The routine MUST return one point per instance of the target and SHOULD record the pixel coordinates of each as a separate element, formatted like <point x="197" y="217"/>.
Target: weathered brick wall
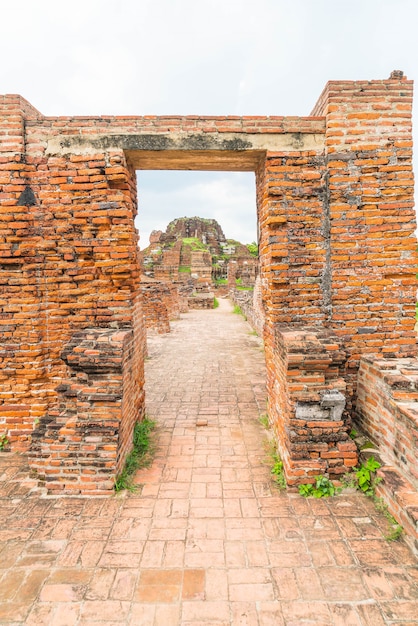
<point x="387" y="411"/>
<point x="201" y="301"/>
<point x="22" y="351"/>
<point x="353" y="268"/>
<point x="336" y="221"/>
<point x="307" y="403"/>
<point x="371" y="258"/>
<point x="161" y="303"/>
<point x="201" y="266"/>
<point x="251" y="304"/>
<point x="82" y="443"/>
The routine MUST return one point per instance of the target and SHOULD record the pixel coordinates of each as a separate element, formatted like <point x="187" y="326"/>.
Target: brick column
<point x="22" y="354"/>
<point x="372" y="245"/>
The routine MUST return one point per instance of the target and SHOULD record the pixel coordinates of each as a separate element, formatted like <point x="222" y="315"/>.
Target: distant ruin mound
<point x="186" y="235"/>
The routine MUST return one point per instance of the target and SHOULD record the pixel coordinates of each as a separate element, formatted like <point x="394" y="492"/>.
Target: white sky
<point x="205" y="57"/>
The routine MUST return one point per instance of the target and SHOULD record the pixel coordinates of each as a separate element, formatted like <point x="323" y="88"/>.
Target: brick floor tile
<point x="100" y="584"/>
<point x="201" y="559"/>
<point x="70" y="554"/>
<point x="290" y="559"/>
<point x="298" y="612"/>
<point x="33" y="582"/>
<point x="377" y="584"/>
<point x="244" y="613"/>
<point x="41" y="614"/>
<point x="405" y="588"/>
<point x="270" y="614"/>
<point x="372" y="552"/>
<point x="206" y="528"/>
<point x="320" y="553"/>
<point x="256" y="553"/>
<point x="235" y="555"/>
<point x="62" y="592"/>
<point x="251" y="591"/>
<point x="158" y="586"/>
<point x="286" y="584"/>
<point x="216" y="584"/>
<point x="143" y="614"/>
<point x="173" y="554"/>
<point x="397" y="611"/>
<point x="344" y="615"/>
<point x="67" y="614"/>
<point x="371" y="615"/>
<point x="309" y="584"/>
<point x="193" y="584"/>
<point x="10" y="554"/>
<point x="343" y="583"/>
<point x="10" y="583"/>
<point x="153" y="554"/>
<point x="123" y="584"/>
<point x="341" y="553"/>
<point x="204" y="611"/>
<point x="232" y="507"/>
<point x="90" y="553"/>
<point x="102" y="612"/>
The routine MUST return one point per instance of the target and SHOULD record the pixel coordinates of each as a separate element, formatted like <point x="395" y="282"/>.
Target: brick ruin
<point x="337" y="270"/>
<point x="188" y="258"/>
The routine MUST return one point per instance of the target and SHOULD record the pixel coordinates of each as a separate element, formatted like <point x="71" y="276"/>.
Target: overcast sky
<point x="205" y="57"/>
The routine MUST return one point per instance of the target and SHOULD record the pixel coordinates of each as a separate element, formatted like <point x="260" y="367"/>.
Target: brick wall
<point x="336" y="221"/>
<point x="251" y="304"/>
<point x="307" y="402"/>
<point x="82" y="443"/>
<point x="372" y="256"/>
<point x="161" y="303"/>
<point x="387" y="411"/>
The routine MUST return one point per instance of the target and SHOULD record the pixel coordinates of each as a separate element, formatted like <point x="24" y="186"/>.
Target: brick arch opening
<point x="337" y="265"/>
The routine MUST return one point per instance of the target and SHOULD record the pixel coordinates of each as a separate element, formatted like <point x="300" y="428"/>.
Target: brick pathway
<point x="208" y="539"/>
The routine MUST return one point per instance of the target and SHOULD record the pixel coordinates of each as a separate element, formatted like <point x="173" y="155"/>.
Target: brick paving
<point x="207" y="538"/>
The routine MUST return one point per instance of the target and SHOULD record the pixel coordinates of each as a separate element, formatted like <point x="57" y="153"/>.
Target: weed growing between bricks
<point x="140" y="456"/>
<point x="273" y="457"/>
<point x="364" y="479"/>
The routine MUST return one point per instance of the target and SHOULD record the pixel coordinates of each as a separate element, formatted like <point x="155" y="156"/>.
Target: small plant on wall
<point x="4" y="441"/>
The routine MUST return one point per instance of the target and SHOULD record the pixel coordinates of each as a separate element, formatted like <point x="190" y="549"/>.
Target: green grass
<point x="184" y="269"/>
<point x="264" y="421"/>
<point x="194" y="243"/>
<point x="140" y="456"/>
<point x="215" y="303"/>
<point x="277" y="469"/>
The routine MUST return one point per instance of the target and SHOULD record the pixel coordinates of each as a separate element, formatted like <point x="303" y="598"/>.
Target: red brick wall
<point x="306" y="402"/>
<point x="372" y="246"/>
<point x="82" y="443"/>
<point x="337" y="244"/>
<point x="387" y="411"/>
<point x="161" y="303"/>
